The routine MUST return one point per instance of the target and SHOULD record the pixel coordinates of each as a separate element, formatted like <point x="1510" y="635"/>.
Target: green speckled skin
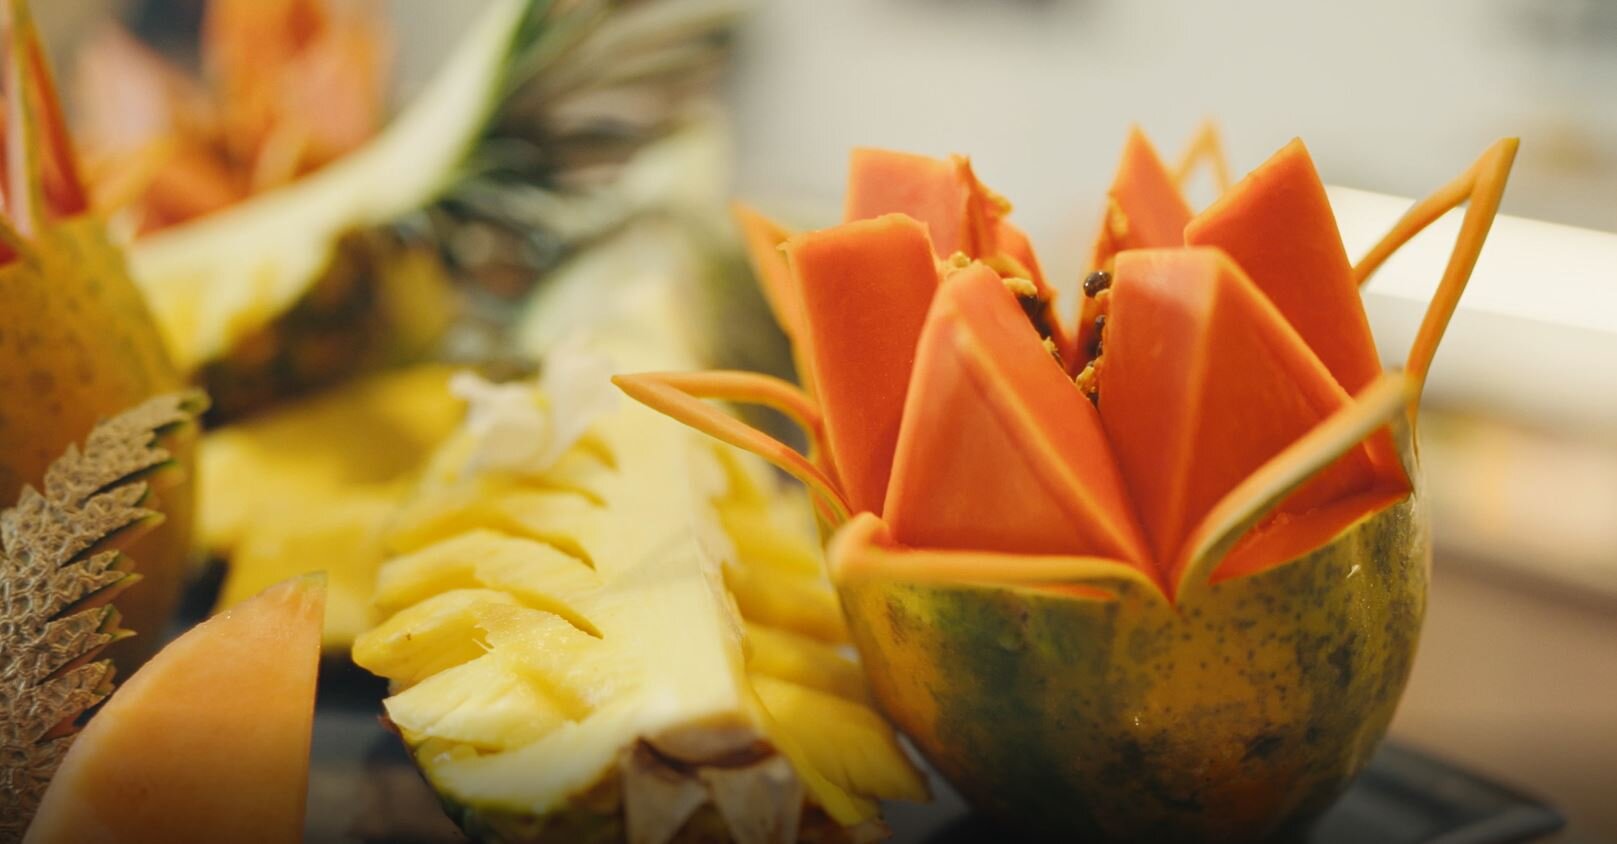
<point x="77" y="345"/>
<point x="1238" y="717"/>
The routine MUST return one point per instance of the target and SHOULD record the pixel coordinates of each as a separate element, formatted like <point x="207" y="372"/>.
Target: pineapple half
<point x="414" y="246"/>
<point x="629" y="638"/>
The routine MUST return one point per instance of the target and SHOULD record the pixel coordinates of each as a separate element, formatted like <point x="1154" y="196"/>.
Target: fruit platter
<point x="484" y="472"/>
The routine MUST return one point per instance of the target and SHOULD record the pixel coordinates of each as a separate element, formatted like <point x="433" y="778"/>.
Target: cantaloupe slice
<point x="999" y="450"/>
<point x="1304" y="270"/>
<point x="208" y="742"/>
<point x="1201" y="381"/>
<point x="865" y="288"/>
<point x="1144" y="207"/>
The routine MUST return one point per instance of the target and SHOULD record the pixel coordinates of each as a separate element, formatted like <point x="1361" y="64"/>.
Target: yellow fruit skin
<point x="77" y="345"/>
<point x="1238" y="716"/>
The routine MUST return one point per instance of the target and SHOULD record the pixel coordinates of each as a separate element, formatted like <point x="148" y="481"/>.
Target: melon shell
<point x="1238" y="715"/>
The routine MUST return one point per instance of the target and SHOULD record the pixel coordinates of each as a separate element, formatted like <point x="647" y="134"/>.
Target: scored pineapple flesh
<point x="650" y="590"/>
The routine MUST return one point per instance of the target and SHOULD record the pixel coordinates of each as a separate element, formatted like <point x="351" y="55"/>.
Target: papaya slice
<point x="1304" y="271"/>
<point x="209" y="741"/>
<point x="865" y="289"/>
<point x="1201" y="382"/>
<point x="1278" y="225"/>
<point x="998" y="449"/>
<point x="938" y="192"/>
<point x="1144" y="207"/>
<point x="763" y="238"/>
<point x="962" y="216"/>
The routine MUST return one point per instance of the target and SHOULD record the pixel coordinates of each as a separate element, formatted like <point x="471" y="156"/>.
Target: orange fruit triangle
<point x="1201" y="381"/>
<point x="865" y="289"/>
<point x="999" y="450"/>
<point x="932" y="190"/>
<point x="763" y="238"/>
<point x="1278" y="225"/>
<point x="1144" y="208"/>
<point x="961" y="214"/>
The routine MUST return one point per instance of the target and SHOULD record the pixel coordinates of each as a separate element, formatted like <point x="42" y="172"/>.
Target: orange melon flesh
<point x="209" y="741"/>
<point x="931" y="190"/>
<point x="1202" y="380"/>
<point x="1304" y="271"/>
<point x="999" y="451"/>
<point x="1278" y="225"/>
<point x="961" y="214"/>
<point x="865" y="289"/>
<point x="1145" y="209"/>
<point x="763" y="238"/>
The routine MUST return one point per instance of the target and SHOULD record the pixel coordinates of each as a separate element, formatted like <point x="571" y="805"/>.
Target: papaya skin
<point x="1237" y="716"/>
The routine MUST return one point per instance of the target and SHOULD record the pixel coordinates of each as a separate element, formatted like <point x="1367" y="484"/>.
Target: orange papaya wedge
<point x="865" y="289"/>
<point x="762" y="238"/>
<point x="934" y="191"/>
<point x="961" y="214"/>
<point x="998" y="450"/>
<point x="1144" y="208"/>
<point x="1201" y="381"/>
<point x="1306" y="272"/>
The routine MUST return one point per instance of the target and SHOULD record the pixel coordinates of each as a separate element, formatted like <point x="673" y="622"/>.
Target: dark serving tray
<point x="363" y="788"/>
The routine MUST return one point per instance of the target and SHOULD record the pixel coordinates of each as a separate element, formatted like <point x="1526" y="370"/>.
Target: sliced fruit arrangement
<point x="77" y="343"/>
<point x="599" y="627"/>
<point x="1163" y="584"/>
<point x="288" y="249"/>
<point x="209" y="741"/>
<point x="62" y="557"/>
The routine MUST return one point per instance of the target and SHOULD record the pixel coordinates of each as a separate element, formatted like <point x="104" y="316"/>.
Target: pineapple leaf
<point x="59" y="567"/>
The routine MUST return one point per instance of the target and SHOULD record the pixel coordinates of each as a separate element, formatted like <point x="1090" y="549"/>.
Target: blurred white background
<point x="1391" y="95"/>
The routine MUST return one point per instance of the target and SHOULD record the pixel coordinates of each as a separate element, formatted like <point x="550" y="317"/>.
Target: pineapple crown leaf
<point x="581" y="77"/>
<point x="59" y="567"/>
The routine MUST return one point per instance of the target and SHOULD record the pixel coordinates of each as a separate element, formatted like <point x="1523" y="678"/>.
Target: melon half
<point x="207" y="742"/>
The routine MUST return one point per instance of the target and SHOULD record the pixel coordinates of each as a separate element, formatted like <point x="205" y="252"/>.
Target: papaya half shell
<point x="1238" y="714"/>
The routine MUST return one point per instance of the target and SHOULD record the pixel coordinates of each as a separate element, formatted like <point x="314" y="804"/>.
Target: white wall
<point x="1391" y="95"/>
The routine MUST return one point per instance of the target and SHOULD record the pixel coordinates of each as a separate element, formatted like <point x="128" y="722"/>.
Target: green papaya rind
<point x="1238" y="715"/>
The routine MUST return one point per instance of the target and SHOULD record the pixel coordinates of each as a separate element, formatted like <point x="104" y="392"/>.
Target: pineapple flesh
<point x="634" y="643"/>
